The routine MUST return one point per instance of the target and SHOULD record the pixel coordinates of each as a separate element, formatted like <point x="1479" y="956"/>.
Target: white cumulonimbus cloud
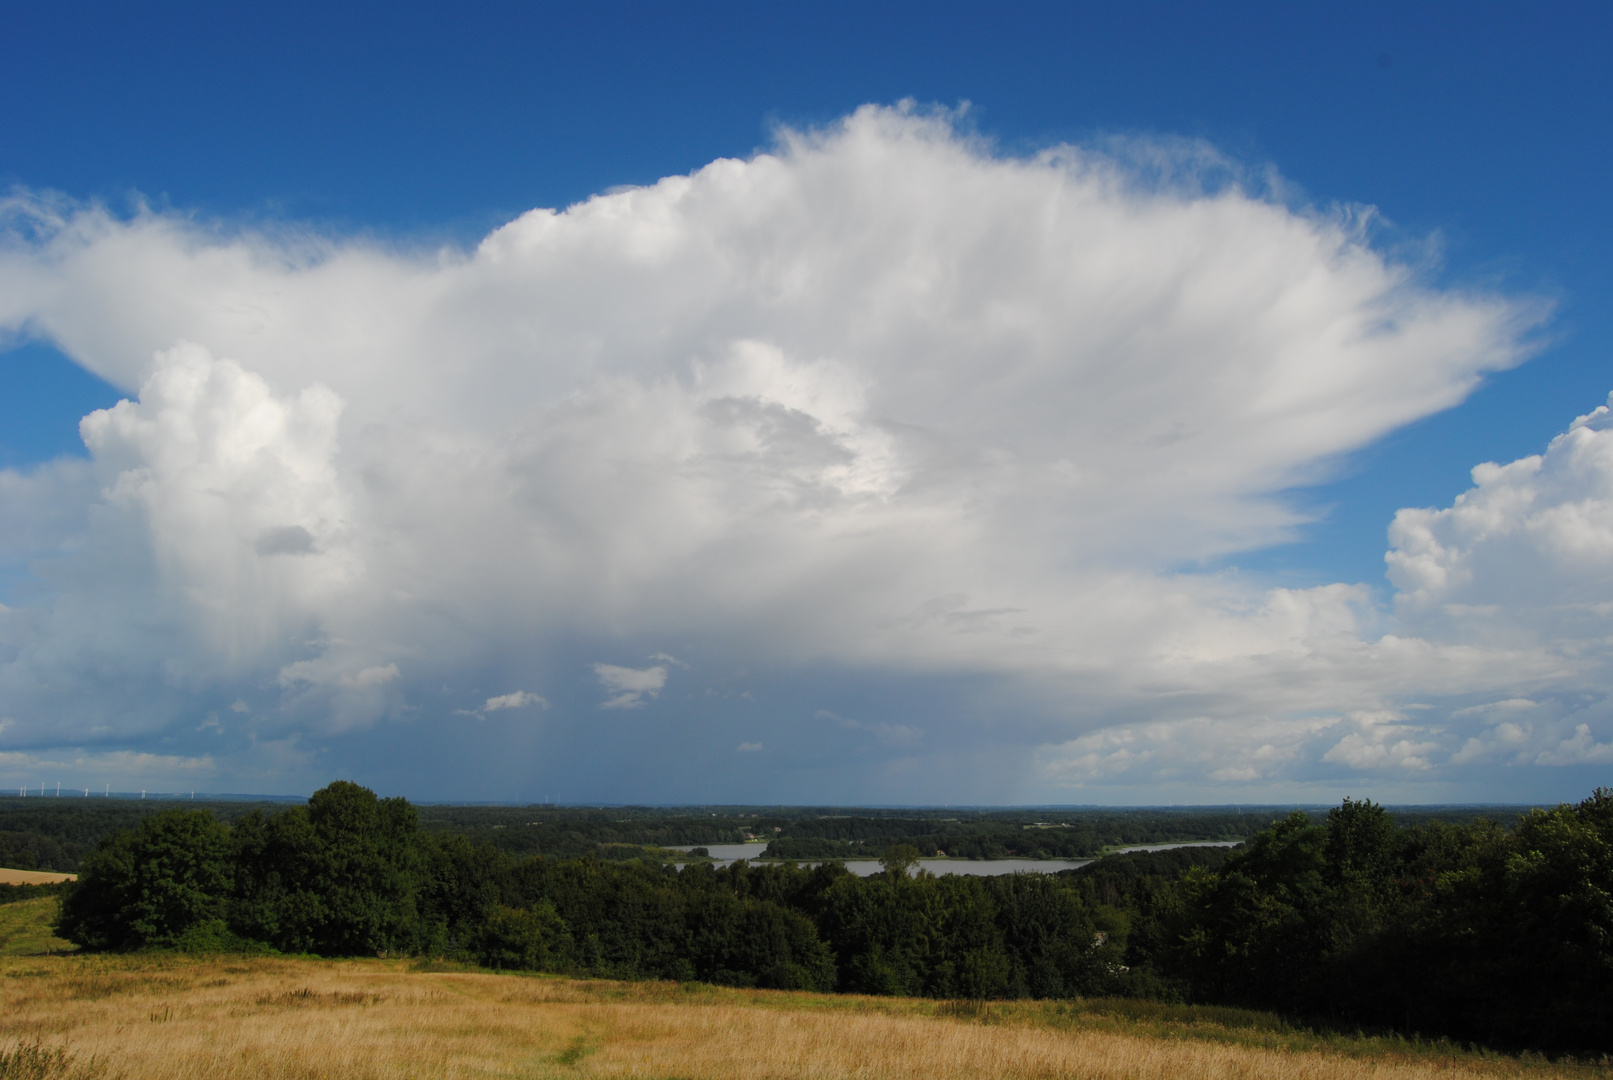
<point x="879" y="402"/>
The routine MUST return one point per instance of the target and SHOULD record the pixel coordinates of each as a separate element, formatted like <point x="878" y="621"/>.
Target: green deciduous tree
<point x="339" y="877"/>
<point x="151" y="885"/>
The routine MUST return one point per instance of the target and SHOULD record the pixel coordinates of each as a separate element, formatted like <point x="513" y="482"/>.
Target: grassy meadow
<point x="178" y="1018"/>
<point x="25" y="928"/>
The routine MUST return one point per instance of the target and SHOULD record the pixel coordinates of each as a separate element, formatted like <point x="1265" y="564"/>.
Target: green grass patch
<point x="1232" y="1026"/>
<point x="16" y="894"/>
<point x="25" y="928"/>
<point x="579" y="1048"/>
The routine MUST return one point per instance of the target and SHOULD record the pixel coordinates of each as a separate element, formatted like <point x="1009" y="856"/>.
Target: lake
<point x="726" y="854"/>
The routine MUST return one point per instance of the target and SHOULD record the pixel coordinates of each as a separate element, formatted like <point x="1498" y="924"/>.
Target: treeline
<point x="818" y="833"/>
<point x="570" y="832"/>
<point x="49" y="833"/>
<point x="350" y="874"/>
<point x="1498" y="936"/>
<point x="1502" y="936"/>
<point x="55" y="833"/>
<point x="999" y="835"/>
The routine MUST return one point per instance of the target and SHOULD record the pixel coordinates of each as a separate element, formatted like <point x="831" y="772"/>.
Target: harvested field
<point x="33" y="877"/>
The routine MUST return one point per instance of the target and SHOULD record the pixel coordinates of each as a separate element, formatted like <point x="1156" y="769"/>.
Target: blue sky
<point x="397" y="136"/>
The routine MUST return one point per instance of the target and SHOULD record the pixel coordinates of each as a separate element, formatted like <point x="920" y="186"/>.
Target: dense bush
<point x="523" y="939"/>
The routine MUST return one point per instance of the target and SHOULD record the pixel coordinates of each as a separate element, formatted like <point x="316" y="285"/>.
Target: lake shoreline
<point x="722" y="855"/>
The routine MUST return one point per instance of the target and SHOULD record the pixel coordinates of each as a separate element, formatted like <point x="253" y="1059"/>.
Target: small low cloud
<point x="371" y="676"/>
<point x="1579" y="749"/>
<point x="323" y="673"/>
<point x="1381" y="740"/>
<point x="518" y="700"/>
<point x="628" y="687"/>
<point x="887" y="734"/>
<point x="748" y="747"/>
<point x="285" y="540"/>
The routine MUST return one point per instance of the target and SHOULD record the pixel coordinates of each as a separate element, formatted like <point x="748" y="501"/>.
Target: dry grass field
<point x="179" y="1018"/>
<point x="33" y="877"/>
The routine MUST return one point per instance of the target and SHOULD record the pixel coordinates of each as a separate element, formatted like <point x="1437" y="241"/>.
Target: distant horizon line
<point x="212" y="796"/>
